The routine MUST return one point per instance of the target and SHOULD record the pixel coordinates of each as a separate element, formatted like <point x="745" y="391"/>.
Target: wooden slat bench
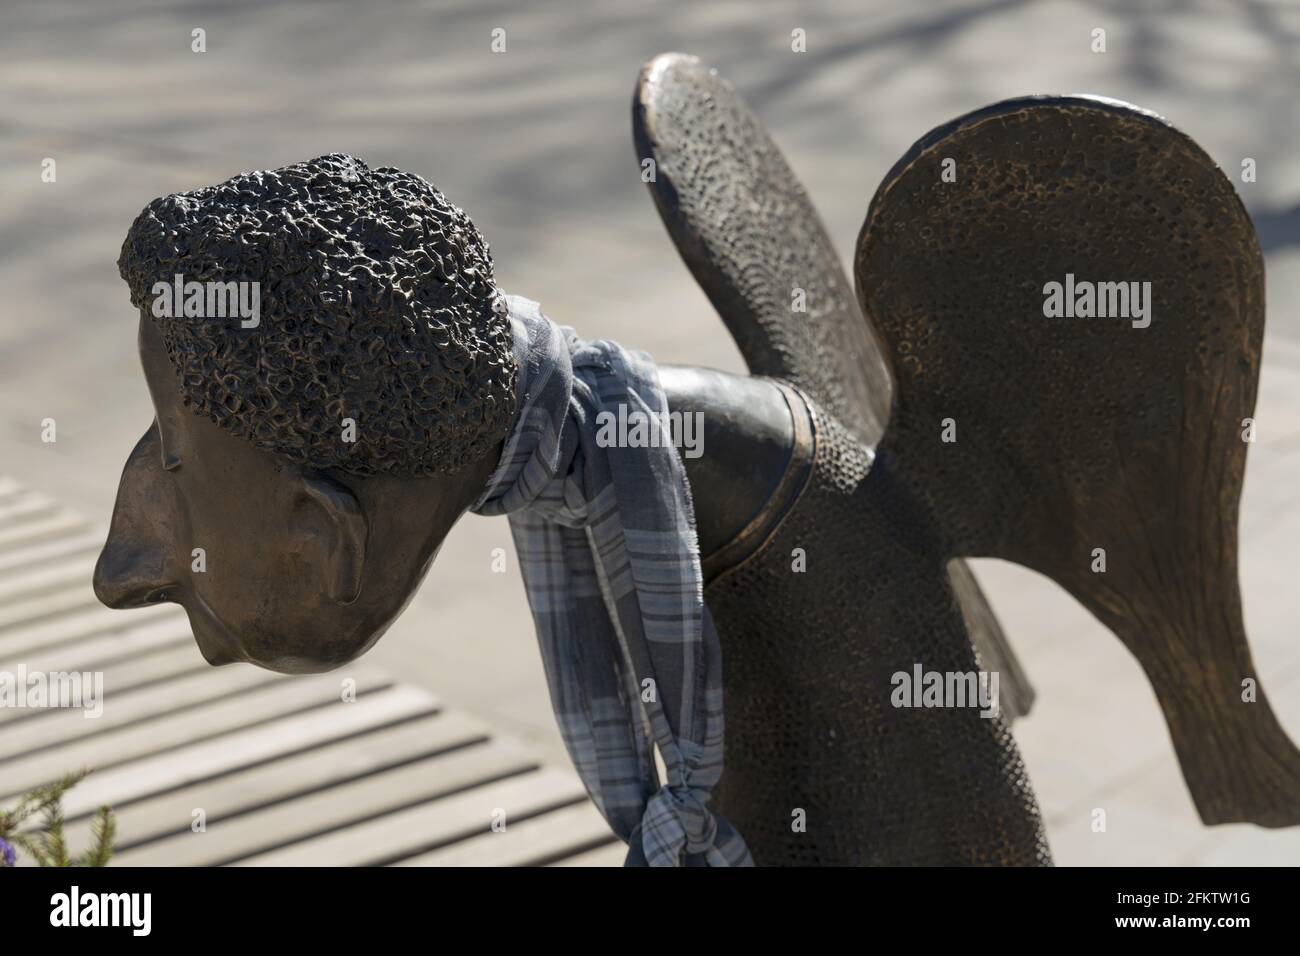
<point x="281" y="770"/>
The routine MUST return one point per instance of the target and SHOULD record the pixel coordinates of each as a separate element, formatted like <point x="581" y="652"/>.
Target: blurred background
<point x="535" y="144"/>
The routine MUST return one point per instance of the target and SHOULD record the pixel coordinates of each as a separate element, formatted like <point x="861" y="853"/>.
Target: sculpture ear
<point x="345" y="538"/>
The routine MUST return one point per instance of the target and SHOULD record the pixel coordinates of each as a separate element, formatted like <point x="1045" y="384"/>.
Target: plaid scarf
<point x="610" y="561"/>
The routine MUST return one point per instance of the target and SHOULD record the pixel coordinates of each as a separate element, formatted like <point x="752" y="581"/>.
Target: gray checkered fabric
<point x="610" y="560"/>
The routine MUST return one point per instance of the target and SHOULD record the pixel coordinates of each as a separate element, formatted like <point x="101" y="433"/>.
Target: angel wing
<point x="1071" y="288"/>
<point x="749" y="234"/>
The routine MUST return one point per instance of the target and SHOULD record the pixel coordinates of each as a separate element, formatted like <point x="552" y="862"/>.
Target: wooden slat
<point x="129" y="743"/>
<point x="31" y="609"/>
<point x="41" y="529"/>
<point x="333" y="808"/>
<point x="93" y="621"/>
<point x="47" y="577"/>
<point x="284" y="776"/>
<point x="526" y="843"/>
<point x="180" y="657"/>
<point x="25" y="507"/>
<point x="329" y="762"/>
<point x="612" y="855"/>
<point x="20" y="560"/>
<point x="244" y="748"/>
<point x="154" y="665"/>
<point x="440" y="821"/>
<point x="99" y="649"/>
<point x="66" y="726"/>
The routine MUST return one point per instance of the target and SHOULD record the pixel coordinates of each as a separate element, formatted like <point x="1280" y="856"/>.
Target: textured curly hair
<point x="377" y="303"/>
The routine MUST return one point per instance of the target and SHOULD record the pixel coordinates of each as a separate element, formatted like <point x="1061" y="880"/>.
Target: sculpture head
<point x="305" y="464"/>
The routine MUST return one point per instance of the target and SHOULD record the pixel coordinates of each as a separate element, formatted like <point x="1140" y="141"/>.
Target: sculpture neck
<point x="744" y="434"/>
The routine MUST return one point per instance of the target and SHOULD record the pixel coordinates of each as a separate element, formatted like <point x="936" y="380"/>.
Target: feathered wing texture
<point x="749" y="234"/>
<point x="1071" y="288"/>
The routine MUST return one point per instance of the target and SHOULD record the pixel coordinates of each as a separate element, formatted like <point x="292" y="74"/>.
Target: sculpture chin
<point x="217" y="645"/>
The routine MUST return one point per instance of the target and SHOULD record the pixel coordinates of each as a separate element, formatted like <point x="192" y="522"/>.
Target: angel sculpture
<point x="781" y="582"/>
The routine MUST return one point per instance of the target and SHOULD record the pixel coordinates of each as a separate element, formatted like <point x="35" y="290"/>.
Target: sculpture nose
<point x="133" y="569"/>
<point x="127" y="576"/>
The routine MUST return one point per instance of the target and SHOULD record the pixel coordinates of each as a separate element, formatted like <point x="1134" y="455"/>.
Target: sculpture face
<point x="297" y="572"/>
<point x="303" y="469"/>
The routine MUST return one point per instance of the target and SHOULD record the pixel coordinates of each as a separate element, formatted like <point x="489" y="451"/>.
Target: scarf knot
<point x="684" y="818"/>
<point x="605" y="533"/>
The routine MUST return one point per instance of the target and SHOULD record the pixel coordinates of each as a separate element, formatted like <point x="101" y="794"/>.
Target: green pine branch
<point x="47" y="845"/>
<point x="103" y="831"/>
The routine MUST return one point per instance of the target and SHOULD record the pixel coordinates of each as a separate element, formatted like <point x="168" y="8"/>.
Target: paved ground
<point x="535" y="144"/>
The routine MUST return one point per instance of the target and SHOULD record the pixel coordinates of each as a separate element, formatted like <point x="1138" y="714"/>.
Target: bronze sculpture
<point x="319" y="552"/>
